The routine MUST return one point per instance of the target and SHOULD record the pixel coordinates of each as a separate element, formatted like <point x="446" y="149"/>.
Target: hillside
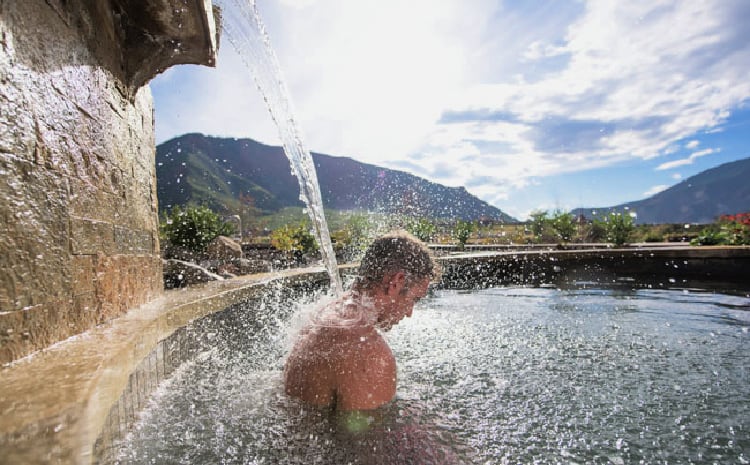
<point x="698" y="199"/>
<point x="227" y="174"/>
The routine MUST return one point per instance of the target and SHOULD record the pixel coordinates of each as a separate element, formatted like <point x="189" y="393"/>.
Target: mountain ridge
<point x="701" y="198"/>
<point x="227" y="173"/>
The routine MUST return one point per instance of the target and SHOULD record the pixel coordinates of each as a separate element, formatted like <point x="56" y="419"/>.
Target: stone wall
<point x="78" y="213"/>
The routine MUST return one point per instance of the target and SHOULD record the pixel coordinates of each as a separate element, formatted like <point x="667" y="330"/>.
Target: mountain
<point x="226" y="174"/>
<point x="722" y="190"/>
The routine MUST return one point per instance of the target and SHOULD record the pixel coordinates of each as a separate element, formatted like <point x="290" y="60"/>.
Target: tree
<point x="564" y="225"/>
<point x="423" y="229"/>
<point x="297" y="239"/>
<point x="619" y="227"/>
<point x="462" y="231"/>
<point x="538" y="222"/>
<point x="354" y="238"/>
<point x="194" y="227"/>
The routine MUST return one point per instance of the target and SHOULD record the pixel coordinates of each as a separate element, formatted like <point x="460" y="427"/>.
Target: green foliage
<point x="354" y="236"/>
<point x="619" y="227"/>
<point x="294" y="239"/>
<point x="564" y="225"/>
<point x="709" y="236"/>
<point x="651" y="237"/>
<point x="462" y="231"/>
<point x="194" y="227"/>
<point x="595" y="231"/>
<point x="423" y="229"/>
<point x="728" y="230"/>
<point x="539" y="221"/>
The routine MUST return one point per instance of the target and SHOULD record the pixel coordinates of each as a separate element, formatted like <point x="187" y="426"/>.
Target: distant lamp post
<point x="239" y="225"/>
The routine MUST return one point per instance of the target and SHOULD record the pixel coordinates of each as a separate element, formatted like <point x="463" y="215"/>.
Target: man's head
<point x="394" y="252"/>
<point x="395" y="272"/>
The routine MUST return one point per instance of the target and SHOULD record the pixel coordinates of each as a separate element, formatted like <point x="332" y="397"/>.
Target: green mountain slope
<point x="724" y="189"/>
<point x="226" y="174"/>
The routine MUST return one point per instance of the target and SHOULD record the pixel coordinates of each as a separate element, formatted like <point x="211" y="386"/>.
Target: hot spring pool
<point x="504" y="375"/>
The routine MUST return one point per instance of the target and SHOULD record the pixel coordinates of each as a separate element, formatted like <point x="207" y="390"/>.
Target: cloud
<point x="655" y="190"/>
<point x="656" y="74"/>
<point x="490" y="95"/>
<point x="685" y="161"/>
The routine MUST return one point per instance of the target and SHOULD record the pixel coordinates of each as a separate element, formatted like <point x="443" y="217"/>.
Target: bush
<point x="619" y="227"/>
<point x="297" y="239"/>
<point x="539" y="221"/>
<point x="194" y="227"/>
<point x="422" y="229"/>
<point x="564" y="226"/>
<point x="462" y="231"/>
<point x="729" y="230"/>
<point x="352" y="240"/>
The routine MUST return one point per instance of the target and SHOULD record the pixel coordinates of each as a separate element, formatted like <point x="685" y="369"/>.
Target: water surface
<point x="505" y="375"/>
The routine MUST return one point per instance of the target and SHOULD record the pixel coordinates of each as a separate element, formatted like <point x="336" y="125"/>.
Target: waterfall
<point x="247" y="34"/>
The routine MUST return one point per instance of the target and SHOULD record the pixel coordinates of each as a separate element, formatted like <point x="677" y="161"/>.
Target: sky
<point x="530" y="105"/>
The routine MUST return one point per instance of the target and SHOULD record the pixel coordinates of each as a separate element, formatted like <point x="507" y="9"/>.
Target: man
<point x="341" y="360"/>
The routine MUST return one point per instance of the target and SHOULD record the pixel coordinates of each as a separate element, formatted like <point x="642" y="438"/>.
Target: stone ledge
<point x="701" y="265"/>
<point x="54" y="403"/>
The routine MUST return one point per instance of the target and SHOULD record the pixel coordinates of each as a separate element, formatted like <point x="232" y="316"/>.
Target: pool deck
<point x="54" y="403"/>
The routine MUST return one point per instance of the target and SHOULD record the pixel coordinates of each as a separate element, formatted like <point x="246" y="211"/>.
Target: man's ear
<point x="396" y="281"/>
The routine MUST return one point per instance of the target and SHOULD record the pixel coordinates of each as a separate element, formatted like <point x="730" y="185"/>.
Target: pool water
<point x="504" y="375"/>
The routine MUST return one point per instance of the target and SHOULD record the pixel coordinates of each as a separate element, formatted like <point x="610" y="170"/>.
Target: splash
<point x="246" y="33"/>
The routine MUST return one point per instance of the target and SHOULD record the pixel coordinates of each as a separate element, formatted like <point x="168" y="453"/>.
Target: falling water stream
<point x="247" y="34"/>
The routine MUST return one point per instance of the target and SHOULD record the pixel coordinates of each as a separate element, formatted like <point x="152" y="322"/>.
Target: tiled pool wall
<point x="184" y="345"/>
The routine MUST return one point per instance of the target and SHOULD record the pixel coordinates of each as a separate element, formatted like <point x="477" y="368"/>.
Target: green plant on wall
<point x="619" y="227"/>
<point x="728" y="230"/>
<point x="564" y="226"/>
<point x="294" y="239"/>
<point x="193" y="227"/>
<point x="354" y="237"/>
<point x="462" y="231"/>
<point x="423" y="229"/>
<point x="539" y="221"/>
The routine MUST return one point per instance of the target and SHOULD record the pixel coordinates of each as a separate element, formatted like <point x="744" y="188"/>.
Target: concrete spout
<point x="158" y="34"/>
<point x="138" y="39"/>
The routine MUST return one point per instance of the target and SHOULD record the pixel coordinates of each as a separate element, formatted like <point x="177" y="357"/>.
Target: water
<point x="505" y="375"/>
<point x="246" y="32"/>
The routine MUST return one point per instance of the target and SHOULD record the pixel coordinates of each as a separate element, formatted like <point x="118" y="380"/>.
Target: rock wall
<point x="78" y="214"/>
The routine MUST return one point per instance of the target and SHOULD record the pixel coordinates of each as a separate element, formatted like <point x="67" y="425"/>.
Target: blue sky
<point x="529" y="105"/>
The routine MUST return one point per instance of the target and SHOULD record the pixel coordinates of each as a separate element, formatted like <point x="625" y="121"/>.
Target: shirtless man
<point x="341" y="360"/>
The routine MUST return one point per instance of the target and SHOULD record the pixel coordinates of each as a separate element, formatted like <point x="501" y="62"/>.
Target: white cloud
<point x="655" y="190"/>
<point x="685" y="161"/>
<point x="486" y="94"/>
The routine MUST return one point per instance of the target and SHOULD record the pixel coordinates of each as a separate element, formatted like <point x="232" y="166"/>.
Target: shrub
<point x="194" y="227"/>
<point x="539" y="221"/>
<point x="294" y="239"/>
<point x="423" y="229"/>
<point x="728" y="230"/>
<point x="619" y="227"/>
<point x="564" y="226"/>
<point x="462" y="231"/>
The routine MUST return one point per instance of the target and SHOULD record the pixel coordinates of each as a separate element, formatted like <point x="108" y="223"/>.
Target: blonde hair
<point x="394" y="252"/>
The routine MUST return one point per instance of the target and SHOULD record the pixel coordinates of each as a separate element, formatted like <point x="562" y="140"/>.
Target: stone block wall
<point x="78" y="214"/>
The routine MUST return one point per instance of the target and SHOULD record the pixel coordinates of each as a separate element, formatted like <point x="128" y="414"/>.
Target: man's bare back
<point x="348" y="368"/>
<point x="341" y="360"/>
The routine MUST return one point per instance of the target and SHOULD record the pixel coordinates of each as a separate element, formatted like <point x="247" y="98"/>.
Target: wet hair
<point x="394" y="252"/>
